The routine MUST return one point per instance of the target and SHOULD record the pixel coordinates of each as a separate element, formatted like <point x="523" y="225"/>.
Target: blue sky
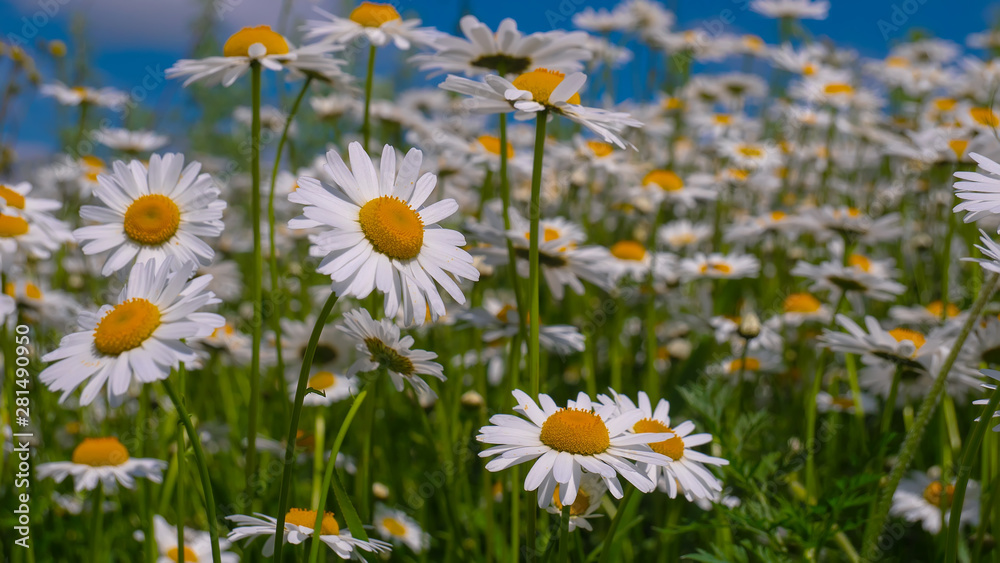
<point x="129" y="39"/>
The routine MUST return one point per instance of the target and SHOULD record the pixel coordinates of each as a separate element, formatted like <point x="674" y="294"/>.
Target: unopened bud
<point x="749" y="326"/>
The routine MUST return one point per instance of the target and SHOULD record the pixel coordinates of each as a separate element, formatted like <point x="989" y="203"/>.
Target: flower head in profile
<point x="795" y="9"/>
<point x="299" y="527"/>
<point x="377" y="22"/>
<point x="382" y="236"/>
<point x="926" y="498"/>
<point x="197" y="544"/>
<point x="397" y="527"/>
<point x="266" y="47"/>
<point x="85" y="95"/>
<point x="566" y="442"/>
<point x="139" y="338"/>
<point x="153" y="212"/>
<point x="102" y="461"/>
<point x="588" y="500"/>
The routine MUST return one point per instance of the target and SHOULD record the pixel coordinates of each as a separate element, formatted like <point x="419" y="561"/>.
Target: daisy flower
<point x="564" y="442"/>
<point x="299" y="528"/>
<point x="18" y="201"/>
<point x="925" y="499"/>
<point x="898" y="345"/>
<point x="380" y="346"/>
<point x="378" y="23"/>
<point x="994" y="374"/>
<point x="683" y="233"/>
<point x="686" y="467"/>
<point x="197" y="544"/>
<point x="23" y="236"/>
<point x="750" y="365"/>
<point x="336" y="388"/>
<point x="153" y="212"/>
<point x="500" y="319"/>
<point x="138" y="338"/>
<point x="397" y="527"/>
<point x="659" y="186"/>
<point x="103" y="461"/>
<point x="382" y="236"/>
<point x="541" y="90"/>
<point x="77" y="95"/>
<point x="835" y="277"/>
<point x="720" y="266"/>
<point x="588" y="500"/>
<point x="505" y="52"/>
<point x="259" y="45"/>
<point x="798" y="308"/>
<point x="129" y="141"/>
<point x="980" y="192"/>
<point x="826" y="402"/>
<point x="931" y="314"/>
<point x="990" y="250"/>
<point x="331" y="352"/>
<point x="794" y="9"/>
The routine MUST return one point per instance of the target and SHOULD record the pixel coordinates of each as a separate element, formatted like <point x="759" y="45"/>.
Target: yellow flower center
<point x="600" y="148"/>
<point x="958" y="146"/>
<point x="152" y="219"/>
<point x="945" y="104"/>
<point x="838" y="88"/>
<point x="842" y="402"/>
<point x="673" y="103"/>
<point x="575" y="431"/>
<point x="239" y="43"/>
<point x="667" y="180"/>
<point x="984" y="116"/>
<point x="395" y="527"/>
<point x="720" y="267"/>
<point x="92" y="166"/>
<point x="322" y="380"/>
<point x="808" y="69"/>
<point x="579" y="506"/>
<point x="939" y="495"/>
<point x="126" y="327"/>
<point x="671" y="447"/>
<point x="189" y="555"/>
<point x="896" y="61"/>
<point x="802" y="303"/>
<point x="373" y="14"/>
<point x="503" y="315"/>
<point x="750" y="151"/>
<point x="722" y="119"/>
<point x="753" y="42"/>
<point x="31" y="291"/>
<point x="492" y="145"/>
<point x="11" y="226"/>
<point x="307" y="518"/>
<point x="860" y="262"/>
<point x="628" y="250"/>
<point x="541" y="82"/>
<point x="901" y="334"/>
<point x="739" y="364"/>
<point x="12" y="198"/>
<point x="389" y="358"/>
<point x="936" y="308"/>
<point x="100" y="452"/>
<point x="393" y="227"/>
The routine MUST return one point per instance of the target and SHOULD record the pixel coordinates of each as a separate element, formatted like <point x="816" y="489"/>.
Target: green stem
<point x="814" y="390"/>
<point x="328" y="475"/>
<point x="890" y="402"/>
<point x="363" y="480"/>
<point x="300" y="394"/>
<point x="964" y="471"/>
<point x="916" y="432"/>
<point x="199" y="458"/>
<point x="319" y="439"/>
<point x="256" y="274"/>
<point x="366" y="125"/>
<point x="180" y="488"/>
<point x="564" y="535"/>
<point x="609" y="540"/>
<point x="97" y="520"/>
<point x="505" y="200"/>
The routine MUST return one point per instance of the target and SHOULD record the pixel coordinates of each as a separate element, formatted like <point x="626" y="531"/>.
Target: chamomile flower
<point x="129" y="141"/>
<point x="397" y="527"/>
<point x="588" y="500"/>
<point x="686" y="467"/>
<point x="541" y="90"/>
<point x="330" y="353"/>
<point x="382" y="236"/>
<point x="378" y="23"/>
<point x="197" y="544"/>
<point x="826" y="402"/>
<point x="837" y="278"/>
<point x="993" y="374"/>
<point x="720" y="266"/>
<point x="505" y="52"/>
<point x="565" y="442"/>
<point x="137" y="339"/>
<point x="795" y="9"/>
<point x="335" y="388"/>
<point x="16" y="199"/>
<point x="259" y="45"/>
<point x="798" y="308"/>
<point x="924" y="498"/>
<point x="660" y="185"/>
<point x="980" y="192"/>
<point x="682" y="233"/>
<point x="499" y="319"/>
<point x="102" y="461"/>
<point x="77" y="95"/>
<point x="989" y="249"/>
<point x="899" y="345"/>
<point x="22" y="237"/>
<point x="153" y="212"/>
<point x="379" y="346"/>
<point x="299" y="528"/>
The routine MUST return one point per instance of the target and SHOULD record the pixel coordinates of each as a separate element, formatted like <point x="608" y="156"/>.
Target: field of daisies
<point x="484" y="308"/>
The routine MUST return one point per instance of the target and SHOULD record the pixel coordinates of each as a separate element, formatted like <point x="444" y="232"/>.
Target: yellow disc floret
<point x="374" y="14"/>
<point x="152" y="219"/>
<point x="189" y="555"/>
<point x="392" y="227"/>
<point x="665" y="179"/>
<point x="126" y="327"/>
<point x="671" y="447"/>
<point x="100" y="452"/>
<point x="239" y="43"/>
<point x="307" y="519"/>
<point x="541" y="82"/>
<point x="628" y="250"/>
<point x="575" y="431"/>
<point x="12" y="198"/>
<point x="11" y="226"/>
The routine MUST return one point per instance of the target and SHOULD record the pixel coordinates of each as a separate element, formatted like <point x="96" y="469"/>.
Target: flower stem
<point x="256" y="273"/>
<point x="366" y="125"/>
<point x="97" y="521"/>
<point x="180" y="488"/>
<point x="199" y="458"/>
<point x="300" y="394"/>
<point x="505" y="200"/>
<point x="609" y="540"/>
<point x="916" y="432"/>
<point x="564" y="534"/>
<point x="963" y="472"/>
<point x="330" y="465"/>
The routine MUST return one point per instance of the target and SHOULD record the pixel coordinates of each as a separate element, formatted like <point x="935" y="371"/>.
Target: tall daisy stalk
<point x="256" y="275"/>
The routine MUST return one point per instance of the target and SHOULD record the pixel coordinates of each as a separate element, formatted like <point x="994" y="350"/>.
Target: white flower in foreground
<point x="565" y="442"/>
<point x="299" y="528"/>
<point x="382" y="236"/>
<point x="686" y="468"/>
<point x="153" y="212"/>
<point x="378" y="23"/>
<point x="541" y="90"/>
<point x="139" y="338"/>
<point x="380" y="346"/>
<point x="197" y="544"/>
<point x="397" y="527"/>
<point x="102" y="461"/>
<point x="923" y="498"/>
<point x="264" y="46"/>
